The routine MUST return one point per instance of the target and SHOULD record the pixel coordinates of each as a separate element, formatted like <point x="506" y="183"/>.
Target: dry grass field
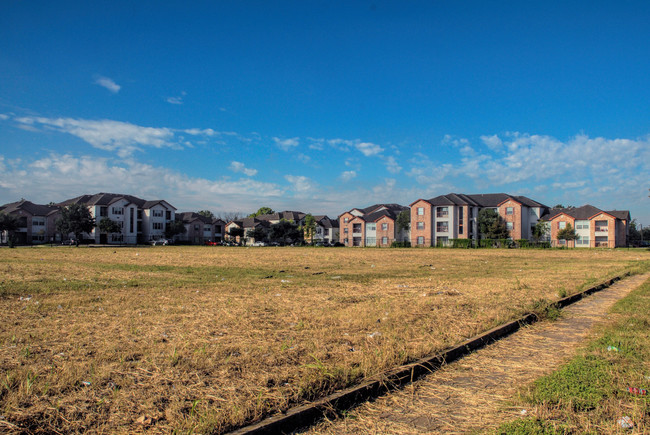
<point x="203" y="339"/>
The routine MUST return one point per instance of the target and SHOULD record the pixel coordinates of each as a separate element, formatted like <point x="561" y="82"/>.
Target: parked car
<point x="209" y="243"/>
<point x="258" y="244"/>
<point x="161" y="242"/>
<point x="68" y="242"/>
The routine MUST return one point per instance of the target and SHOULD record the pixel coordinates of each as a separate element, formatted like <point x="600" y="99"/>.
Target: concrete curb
<point x="306" y="415"/>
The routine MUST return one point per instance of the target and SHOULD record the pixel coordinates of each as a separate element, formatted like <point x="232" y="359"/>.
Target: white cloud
<point x="348" y="175"/>
<point x="108" y="84"/>
<point x="176" y="100"/>
<point x="4" y="117"/>
<point x="368" y="149"/>
<point x="286" y="144"/>
<point x="59" y="177"/>
<point x="300" y="184"/>
<point x="493" y="142"/>
<point x="240" y="167"/>
<point x="122" y="137"/>
<point x="392" y="165"/>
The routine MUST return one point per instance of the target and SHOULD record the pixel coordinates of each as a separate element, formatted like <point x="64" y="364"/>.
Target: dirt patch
<point x="473" y="394"/>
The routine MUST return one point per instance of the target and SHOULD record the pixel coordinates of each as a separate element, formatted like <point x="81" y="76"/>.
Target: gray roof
<point x="29" y="207"/>
<point x="109" y="198"/>
<point x="481" y="200"/>
<point x="587" y="211"/>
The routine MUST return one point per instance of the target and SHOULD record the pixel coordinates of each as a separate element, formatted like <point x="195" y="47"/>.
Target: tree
<point x="285" y="232"/>
<point x="645" y="234"/>
<point x="236" y="232"/>
<point x="635" y="236"/>
<point x="207" y="213"/>
<point x="403" y="221"/>
<point x="9" y="223"/>
<point x="229" y="216"/>
<point x="76" y="219"/>
<point x="540" y="230"/>
<point x="106" y="225"/>
<point x="258" y="234"/>
<point x="309" y="227"/>
<point x="174" y="228"/>
<point x="491" y="225"/>
<point x="261" y="211"/>
<point x="558" y="206"/>
<point x="567" y="233"/>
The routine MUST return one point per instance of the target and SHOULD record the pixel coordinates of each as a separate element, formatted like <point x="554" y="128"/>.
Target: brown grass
<point x="202" y="339"/>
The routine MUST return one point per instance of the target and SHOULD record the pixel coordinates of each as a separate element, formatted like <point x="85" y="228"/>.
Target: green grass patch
<point x="590" y="393"/>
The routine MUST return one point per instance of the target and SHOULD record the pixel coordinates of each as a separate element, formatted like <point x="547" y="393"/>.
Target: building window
<point x="442" y="241"/>
<point x="510" y="210"/>
<point x="601" y="226"/>
<point x="217" y="229"/>
<point x="384" y="240"/>
<point x="196" y="227"/>
<point x="157" y="213"/>
<point x="420" y="240"/>
<point x="442" y="227"/>
<point x="420" y="225"/>
<point x="384" y="227"/>
<point x="206" y="228"/>
<point x="371" y="227"/>
<point x="510" y="226"/>
<point x="168" y="215"/>
<point x="157" y="226"/>
<point x="117" y="210"/>
<point x="345" y="230"/>
<point x="420" y="211"/>
<point x="356" y="228"/>
<point x="103" y="211"/>
<point x="582" y="225"/>
<point x="461" y="221"/>
<point x="442" y="212"/>
<point x="131" y="213"/>
<point x="561" y="225"/>
<point x="345" y="220"/>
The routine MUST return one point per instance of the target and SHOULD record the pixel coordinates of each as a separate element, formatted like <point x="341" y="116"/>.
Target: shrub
<point x="461" y="243"/>
<point x="396" y="244"/>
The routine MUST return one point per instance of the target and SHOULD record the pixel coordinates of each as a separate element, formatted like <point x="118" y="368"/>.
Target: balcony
<point x="442" y="214"/>
<point x="600" y="229"/>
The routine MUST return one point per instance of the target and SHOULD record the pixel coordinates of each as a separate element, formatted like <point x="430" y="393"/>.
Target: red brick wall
<point x="426" y="218"/>
<point x="515" y="217"/>
<point x="342" y="226"/>
<point x="555" y="228"/>
<point x="611" y="230"/>
<point x="465" y="212"/>
<point x="389" y="233"/>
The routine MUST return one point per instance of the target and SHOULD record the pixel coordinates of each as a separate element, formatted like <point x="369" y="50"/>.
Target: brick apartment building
<point x="593" y="226"/>
<point x="371" y="226"/>
<point x="437" y="220"/>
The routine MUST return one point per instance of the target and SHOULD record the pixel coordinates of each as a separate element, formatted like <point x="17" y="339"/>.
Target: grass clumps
<point x="590" y="394"/>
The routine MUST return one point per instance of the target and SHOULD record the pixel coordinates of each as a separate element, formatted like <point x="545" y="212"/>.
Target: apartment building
<point x="36" y="222"/>
<point x="437" y="220"/>
<point x="593" y="226"/>
<point x="327" y="230"/>
<point x="200" y="229"/>
<point x="141" y="221"/>
<point x="372" y="226"/>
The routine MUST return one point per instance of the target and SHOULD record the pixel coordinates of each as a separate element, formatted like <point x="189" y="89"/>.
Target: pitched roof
<point x="103" y="199"/>
<point x="481" y="200"/>
<point x="191" y="216"/>
<point x="620" y="214"/>
<point x="30" y="207"/>
<point x="286" y="215"/>
<point x="587" y="211"/>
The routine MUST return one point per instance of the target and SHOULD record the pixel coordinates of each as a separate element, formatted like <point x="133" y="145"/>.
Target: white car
<point x="259" y="244"/>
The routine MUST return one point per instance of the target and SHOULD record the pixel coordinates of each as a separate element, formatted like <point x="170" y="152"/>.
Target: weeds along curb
<point x="306" y="415"/>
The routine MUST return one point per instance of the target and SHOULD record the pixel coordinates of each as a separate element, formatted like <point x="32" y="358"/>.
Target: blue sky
<point x="322" y="106"/>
